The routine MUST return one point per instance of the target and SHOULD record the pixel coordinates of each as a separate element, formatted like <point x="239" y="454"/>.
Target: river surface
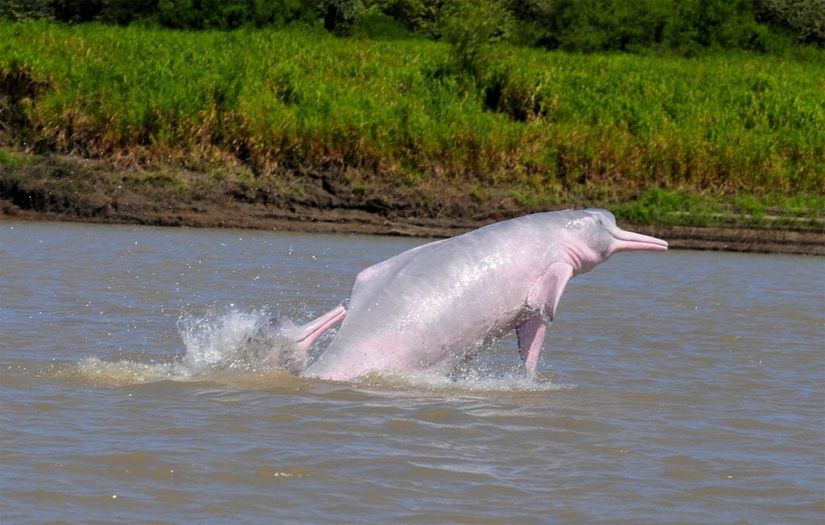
<point x="679" y="387"/>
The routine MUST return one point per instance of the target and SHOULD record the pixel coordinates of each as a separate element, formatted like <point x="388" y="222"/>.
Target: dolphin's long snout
<point x="636" y="242"/>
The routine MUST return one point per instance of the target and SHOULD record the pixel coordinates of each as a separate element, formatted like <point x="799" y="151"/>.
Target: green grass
<point x="14" y="159"/>
<point x="734" y="131"/>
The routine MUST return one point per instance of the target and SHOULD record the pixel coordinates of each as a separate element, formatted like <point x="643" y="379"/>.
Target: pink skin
<point x="310" y="332"/>
<point x="430" y="308"/>
<point x="303" y="336"/>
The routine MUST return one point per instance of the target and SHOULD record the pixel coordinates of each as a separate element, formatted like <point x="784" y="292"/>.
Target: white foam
<point x="227" y="347"/>
<point x="121" y="373"/>
<point x="246" y="342"/>
<point x="212" y="340"/>
<point x="475" y="380"/>
<point x="242" y="347"/>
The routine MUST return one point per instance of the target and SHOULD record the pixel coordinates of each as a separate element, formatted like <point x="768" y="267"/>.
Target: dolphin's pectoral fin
<point x="544" y="296"/>
<point x="530" y="338"/>
<point x="543" y="299"/>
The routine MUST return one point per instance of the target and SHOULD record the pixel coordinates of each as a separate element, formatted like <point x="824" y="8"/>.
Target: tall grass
<point x="300" y="99"/>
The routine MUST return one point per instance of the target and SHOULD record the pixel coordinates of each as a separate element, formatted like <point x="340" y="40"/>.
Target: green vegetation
<point x="724" y="132"/>
<point x="684" y="26"/>
<point x="14" y="159"/>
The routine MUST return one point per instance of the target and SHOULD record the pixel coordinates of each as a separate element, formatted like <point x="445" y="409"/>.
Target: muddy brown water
<point x="686" y="387"/>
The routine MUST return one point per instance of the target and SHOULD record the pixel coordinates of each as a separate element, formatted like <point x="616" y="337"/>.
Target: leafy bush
<point x="685" y="26"/>
<point x="340" y="15"/>
<point x="805" y="19"/>
<point x="25" y="9"/>
<point x="420" y="16"/>
<point x="221" y="14"/>
<point x="373" y="23"/>
<point x="470" y="27"/>
<point x="189" y="14"/>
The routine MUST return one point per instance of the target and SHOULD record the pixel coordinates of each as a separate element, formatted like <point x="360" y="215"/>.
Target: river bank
<point x="297" y="129"/>
<point x="65" y="188"/>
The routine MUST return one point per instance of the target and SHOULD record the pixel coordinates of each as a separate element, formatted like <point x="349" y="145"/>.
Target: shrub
<point x="616" y="25"/>
<point x="420" y="16"/>
<point x="372" y="23"/>
<point x="805" y="19"/>
<point x="470" y="27"/>
<point x="219" y="14"/>
<point x="340" y="15"/>
<point x="509" y="93"/>
<point x="189" y="14"/>
<point x="25" y="9"/>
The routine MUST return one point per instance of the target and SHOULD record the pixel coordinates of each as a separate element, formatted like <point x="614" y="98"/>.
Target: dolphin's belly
<point x="432" y="333"/>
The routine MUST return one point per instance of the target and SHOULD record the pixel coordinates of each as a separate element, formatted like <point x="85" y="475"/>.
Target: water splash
<point x="482" y="379"/>
<point x="249" y="342"/>
<point x="231" y="347"/>
<point x="98" y="372"/>
<point x="250" y="348"/>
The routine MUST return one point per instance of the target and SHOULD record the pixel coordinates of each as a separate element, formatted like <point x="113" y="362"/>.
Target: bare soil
<point x="72" y="189"/>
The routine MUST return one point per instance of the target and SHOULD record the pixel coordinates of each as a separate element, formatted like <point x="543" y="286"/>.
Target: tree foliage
<point x="189" y="14"/>
<point x="470" y="26"/>
<point x="681" y="26"/>
<point x="615" y="25"/>
<point x="803" y="18"/>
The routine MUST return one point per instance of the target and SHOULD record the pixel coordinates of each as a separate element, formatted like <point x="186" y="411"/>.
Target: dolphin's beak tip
<point x="630" y="241"/>
<point x="662" y="246"/>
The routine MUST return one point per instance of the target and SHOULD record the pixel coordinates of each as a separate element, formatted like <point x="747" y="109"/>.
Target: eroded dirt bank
<point x="70" y="189"/>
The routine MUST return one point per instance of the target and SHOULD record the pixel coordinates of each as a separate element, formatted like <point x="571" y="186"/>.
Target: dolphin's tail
<point x="303" y="336"/>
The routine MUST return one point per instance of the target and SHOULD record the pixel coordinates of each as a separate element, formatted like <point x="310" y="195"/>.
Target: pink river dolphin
<point x="434" y="306"/>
